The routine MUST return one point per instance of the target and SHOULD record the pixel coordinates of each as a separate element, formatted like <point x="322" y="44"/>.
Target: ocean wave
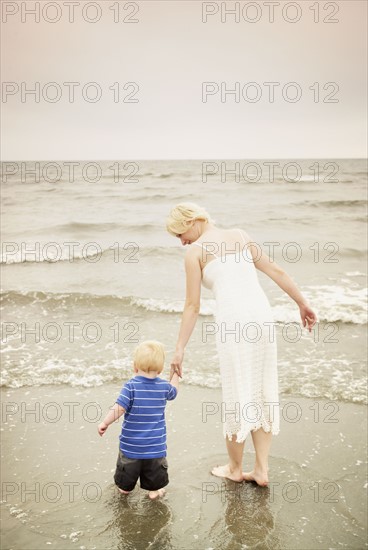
<point x="311" y="381"/>
<point x="308" y="178"/>
<point x="174" y="306"/>
<point x="67" y="300"/>
<point x="62" y="253"/>
<point x="355" y="274"/>
<point x="96" y="228"/>
<point x="352" y="252"/>
<point x="76" y="374"/>
<point x="331" y="303"/>
<point x="332" y="203"/>
<point x="164" y="175"/>
<point x="66" y="253"/>
<point x="174" y="198"/>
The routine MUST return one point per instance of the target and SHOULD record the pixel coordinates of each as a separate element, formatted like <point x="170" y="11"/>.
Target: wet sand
<point x="58" y="490"/>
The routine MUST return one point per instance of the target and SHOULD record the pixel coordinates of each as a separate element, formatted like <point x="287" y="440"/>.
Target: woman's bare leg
<point x="233" y="470"/>
<point x="262" y="443"/>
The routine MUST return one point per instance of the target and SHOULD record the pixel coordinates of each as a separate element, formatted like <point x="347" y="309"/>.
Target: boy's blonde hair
<point x="182" y="214"/>
<point x="149" y="356"/>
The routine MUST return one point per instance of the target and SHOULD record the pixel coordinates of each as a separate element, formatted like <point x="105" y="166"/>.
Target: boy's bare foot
<point x="156" y="494"/>
<point x="261" y="478"/>
<point x="123" y="492"/>
<point x="224" y="471"/>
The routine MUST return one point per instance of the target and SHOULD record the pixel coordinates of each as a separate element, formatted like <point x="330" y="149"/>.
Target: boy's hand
<point x="102" y="428"/>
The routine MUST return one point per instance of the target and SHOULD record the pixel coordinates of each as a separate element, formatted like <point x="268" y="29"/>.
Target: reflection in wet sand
<point x="139" y="522"/>
<point x="248" y="518"/>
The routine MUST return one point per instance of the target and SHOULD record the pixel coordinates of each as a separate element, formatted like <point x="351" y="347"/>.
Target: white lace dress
<point x="246" y="344"/>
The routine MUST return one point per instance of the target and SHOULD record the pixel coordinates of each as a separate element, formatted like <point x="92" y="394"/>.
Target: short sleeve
<point x="125" y="397"/>
<point x="172" y="393"/>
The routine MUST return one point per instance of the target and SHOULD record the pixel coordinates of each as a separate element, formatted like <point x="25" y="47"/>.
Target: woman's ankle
<point x="261" y="468"/>
<point x="235" y="468"/>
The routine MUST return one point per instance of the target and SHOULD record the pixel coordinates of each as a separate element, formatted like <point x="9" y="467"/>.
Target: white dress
<point x="246" y="344"/>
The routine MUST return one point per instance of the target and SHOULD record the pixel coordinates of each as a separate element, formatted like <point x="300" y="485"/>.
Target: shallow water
<point x="58" y="490"/>
<point x="123" y="279"/>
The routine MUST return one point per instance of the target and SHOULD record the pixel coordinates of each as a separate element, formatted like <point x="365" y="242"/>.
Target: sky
<point x="164" y="53"/>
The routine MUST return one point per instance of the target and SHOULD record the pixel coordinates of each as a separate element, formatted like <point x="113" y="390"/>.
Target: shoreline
<point x="49" y="437"/>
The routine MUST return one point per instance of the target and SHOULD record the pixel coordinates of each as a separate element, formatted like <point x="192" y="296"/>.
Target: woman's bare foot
<point x="261" y="478"/>
<point x="224" y="471"/>
<point x="156" y="494"/>
<point x="123" y="492"/>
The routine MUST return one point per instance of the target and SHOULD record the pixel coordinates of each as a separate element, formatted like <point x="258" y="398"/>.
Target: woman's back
<point x="228" y="270"/>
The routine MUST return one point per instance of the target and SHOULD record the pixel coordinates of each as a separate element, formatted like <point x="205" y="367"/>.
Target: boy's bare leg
<point x="232" y="470"/>
<point x="124" y="492"/>
<point x="262" y="443"/>
<point x="156" y="494"/>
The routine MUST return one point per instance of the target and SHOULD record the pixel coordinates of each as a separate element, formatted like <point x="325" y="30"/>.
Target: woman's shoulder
<point x="193" y="253"/>
<point x="233" y="230"/>
<point x="243" y="233"/>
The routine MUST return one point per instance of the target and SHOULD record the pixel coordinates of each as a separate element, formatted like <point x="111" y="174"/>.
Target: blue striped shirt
<point x="143" y="433"/>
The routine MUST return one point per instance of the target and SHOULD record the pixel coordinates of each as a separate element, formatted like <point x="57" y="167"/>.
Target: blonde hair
<point x="182" y="214"/>
<point x="149" y="356"/>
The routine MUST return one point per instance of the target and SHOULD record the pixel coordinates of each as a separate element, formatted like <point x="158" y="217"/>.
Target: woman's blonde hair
<point x="183" y="214"/>
<point x="149" y="356"/>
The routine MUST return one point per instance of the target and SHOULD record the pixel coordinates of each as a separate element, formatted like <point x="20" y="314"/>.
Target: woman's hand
<point x="176" y="363"/>
<point x="308" y="316"/>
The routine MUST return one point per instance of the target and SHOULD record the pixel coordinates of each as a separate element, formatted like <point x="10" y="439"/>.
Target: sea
<point x="89" y="270"/>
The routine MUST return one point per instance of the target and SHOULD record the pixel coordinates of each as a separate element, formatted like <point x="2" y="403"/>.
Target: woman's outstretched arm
<point x="263" y="262"/>
<point x="191" y="308"/>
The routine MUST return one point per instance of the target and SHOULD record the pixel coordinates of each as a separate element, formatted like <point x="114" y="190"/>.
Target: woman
<point x="224" y="261"/>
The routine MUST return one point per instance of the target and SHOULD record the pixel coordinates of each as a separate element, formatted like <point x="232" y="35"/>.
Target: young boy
<point x="142" y="449"/>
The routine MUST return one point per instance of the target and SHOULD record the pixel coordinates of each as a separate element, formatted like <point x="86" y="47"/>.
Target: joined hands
<point x="176" y="364"/>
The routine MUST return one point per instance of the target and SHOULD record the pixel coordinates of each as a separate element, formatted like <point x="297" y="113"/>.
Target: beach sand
<point x="58" y="490"/>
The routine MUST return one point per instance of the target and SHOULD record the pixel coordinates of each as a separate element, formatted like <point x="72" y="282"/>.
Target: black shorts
<point x="152" y="472"/>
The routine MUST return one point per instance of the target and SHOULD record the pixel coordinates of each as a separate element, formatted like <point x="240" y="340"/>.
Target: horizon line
<point x="183" y="159"/>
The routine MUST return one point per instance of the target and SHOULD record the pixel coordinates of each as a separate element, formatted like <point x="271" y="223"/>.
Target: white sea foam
<point x="331" y="303"/>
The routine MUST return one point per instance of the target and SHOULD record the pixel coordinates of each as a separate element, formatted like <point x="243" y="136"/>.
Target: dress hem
<point x="243" y="434"/>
